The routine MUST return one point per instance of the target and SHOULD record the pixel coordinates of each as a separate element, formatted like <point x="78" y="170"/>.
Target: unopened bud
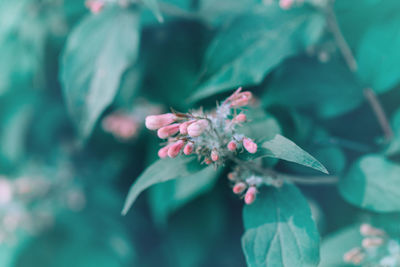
<point x="240" y="118"/>
<point x="207" y="161"/>
<point x="183" y="127"/>
<point x="249" y="145"/>
<point x="232" y="146"/>
<point x="175" y="148"/>
<point x="155" y="122"/>
<point x="163" y="152"/>
<point x="250" y="195"/>
<point x="231" y="176"/>
<point x="239" y="188"/>
<point x="239" y="99"/>
<point x="95" y="6"/>
<point x="368" y="230"/>
<point x="188" y="149"/>
<point x="370" y="242"/>
<point x="286" y="4"/>
<point x="350" y="255"/>
<point x="168" y="131"/>
<point x="197" y="128"/>
<point x="214" y="155"/>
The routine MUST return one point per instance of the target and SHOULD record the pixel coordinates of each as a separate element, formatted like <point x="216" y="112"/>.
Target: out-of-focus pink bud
<point x="353" y="253"/>
<point x="95" y="6"/>
<point x="249" y="145"/>
<point x="183" y="128"/>
<point x="231" y="176"/>
<point x="207" y="161"/>
<point x="250" y="195"/>
<point x="175" y="148"/>
<point x="163" y="152"/>
<point x="239" y="188"/>
<point x="214" y="155"/>
<point x="370" y="242"/>
<point x="239" y="99"/>
<point x="197" y="128"/>
<point x="368" y="230"/>
<point x="232" y="146"/>
<point x="6" y="191"/>
<point x="168" y="131"/>
<point x="240" y="118"/>
<point x="286" y="4"/>
<point x="188" y="149"/>
<point x="155" y="122"/>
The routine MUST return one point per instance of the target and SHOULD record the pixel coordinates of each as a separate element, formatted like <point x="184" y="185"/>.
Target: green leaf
<point x="280" y="230"/>
<point x="161" y="171"/>
<point x="394" y="146"/>
<point x="97" y="53"/>
<point x="307" y="84"/>
<point x="373" y="183"/>
<point x="252" y="44"/>
<point x="260" y="125"/>
<point x="282" y="148"/>
<point x="335" y="245"/>
<point x="379" y="55"/>
<point x="170" y="196"/>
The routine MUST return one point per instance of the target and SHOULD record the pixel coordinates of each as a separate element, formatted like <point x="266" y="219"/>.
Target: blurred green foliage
<point x="66" y="167"/>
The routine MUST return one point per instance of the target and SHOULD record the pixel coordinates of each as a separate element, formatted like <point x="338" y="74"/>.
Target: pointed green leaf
<point x="282" y="148"/>
<point x="280" y="230"/>
<point x="252" y="44"/>
<point x="98" y="52"/>
<point x="161" y="171"/>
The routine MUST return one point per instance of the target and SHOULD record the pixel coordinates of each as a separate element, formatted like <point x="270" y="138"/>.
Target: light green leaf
<point x="161" y="171"/>
<point x="308" y="84"/>
<point x="379" y="55"/>
<point x="98" y="52"/>
<point x="335" y="245"/>
<point x="282" y="148"/>
<point x="170" y="196"/>
<point x="154" y="7"/>
<point x="373" y="183"/>
<point x="280" y="230"/>
<point x="252" y="44"/>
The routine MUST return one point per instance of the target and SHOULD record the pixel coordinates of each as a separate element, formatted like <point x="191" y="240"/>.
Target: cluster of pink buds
<point x="212" y="136"/>
<point x="373" y="239"/>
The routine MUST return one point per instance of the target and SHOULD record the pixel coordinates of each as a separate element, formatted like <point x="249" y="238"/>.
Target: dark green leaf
<point x="161" y="171"/>
<point x="373" y="183"/>
<point x="307" y="84"/>
<point x="280" y="230"/>
<point x="98" y="52"/>
<point x="168" y="197"/>
<point x="252" y="44"/>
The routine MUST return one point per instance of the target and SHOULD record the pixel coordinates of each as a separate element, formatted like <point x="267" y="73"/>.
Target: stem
<point x="352" y="64"/>
<point x="339" y="38"/>
<point x="305" y="180"/>
<point x="379" y="113"/>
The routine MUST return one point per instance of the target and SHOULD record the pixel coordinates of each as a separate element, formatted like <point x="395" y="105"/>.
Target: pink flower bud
<point x="232" y="146"/>
<point x="188" y="149"/>
<point x="197" y="128"/>
<point x="370" y="242"/>
<point x="163" y="152"/>
<point x="240" y="118"/>
<point x="249" y="145"/>
<point x="95" y="6"/>
<point x="368" y="230"/>
<point x="214" y="155"/>
<point x="286" y="4"/>
<point x="183" y="127"/>
<point x="239" y="188"/>
<point x="250" y="195"/>
<point x="155" y="122"/>
<point x="175" y="148"/>
<point x="239" y="99"/>
<point x="168" y="131"/>
<point x="231" y="176"/>
<point x="352" y="254"/>
<point x="207" y="161"/>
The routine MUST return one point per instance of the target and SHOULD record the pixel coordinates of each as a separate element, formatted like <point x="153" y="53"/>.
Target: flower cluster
<point x="377" y="249"/>
<point x="213" y="136"/>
